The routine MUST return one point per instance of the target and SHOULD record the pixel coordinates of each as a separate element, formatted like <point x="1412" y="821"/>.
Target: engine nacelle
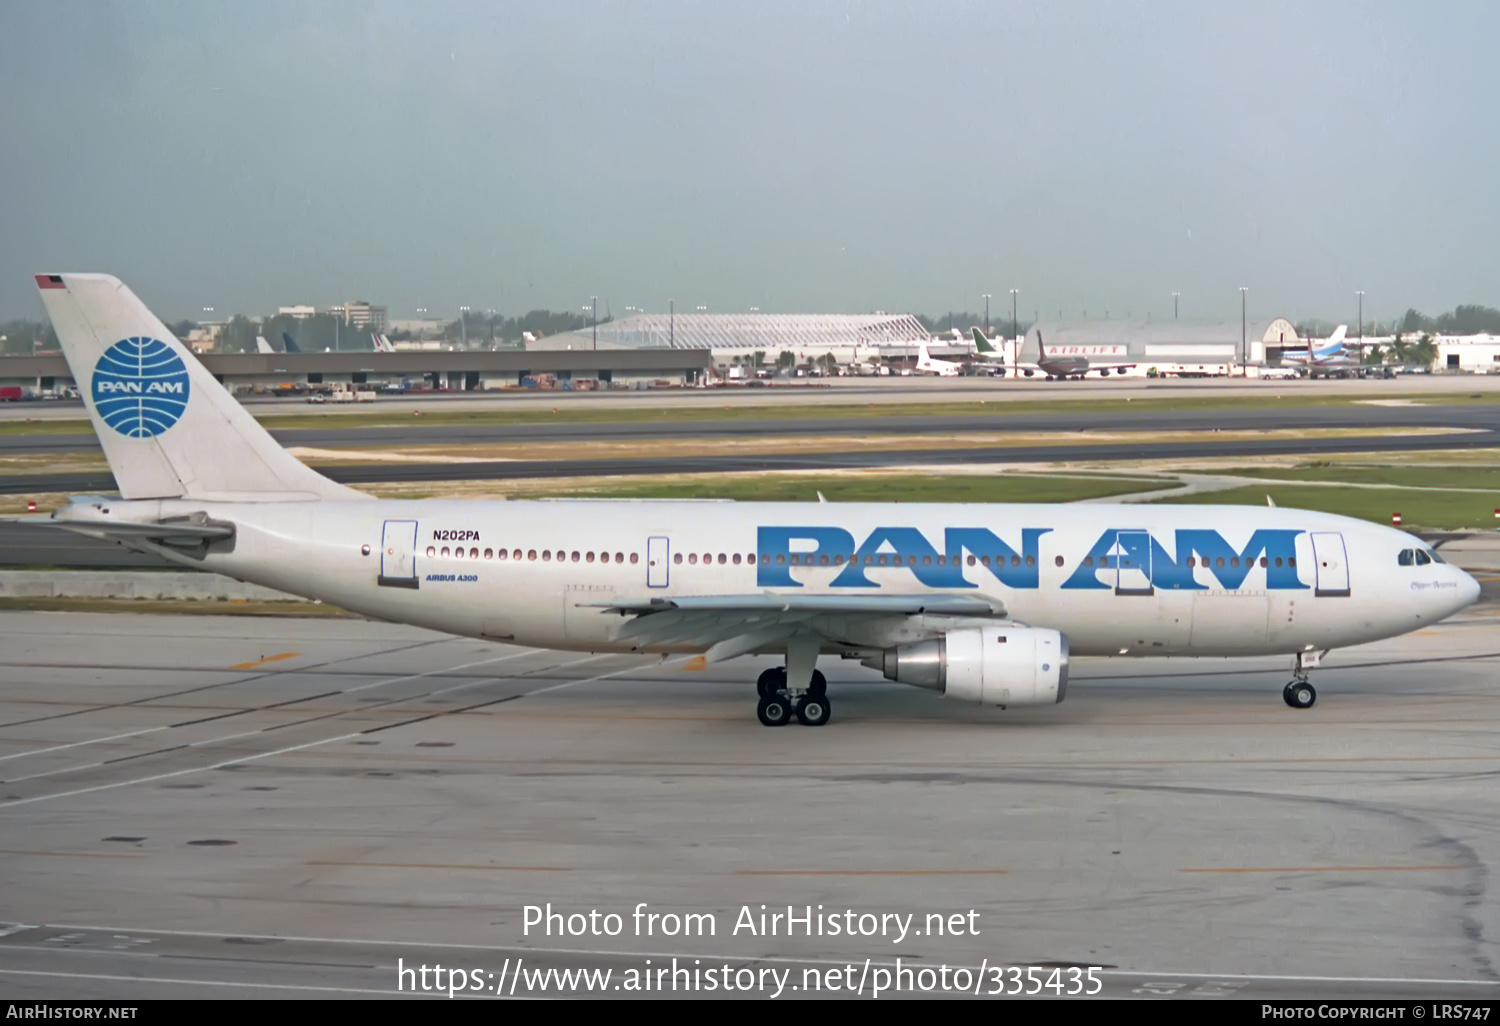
<point x="989" y="665"/>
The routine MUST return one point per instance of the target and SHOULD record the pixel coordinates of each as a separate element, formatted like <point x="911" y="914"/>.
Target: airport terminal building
<point x="454" y="370"/>
<point x="848" y="337"/>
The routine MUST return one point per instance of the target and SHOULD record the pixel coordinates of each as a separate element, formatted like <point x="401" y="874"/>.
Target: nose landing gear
<point x="1300" y="694"/>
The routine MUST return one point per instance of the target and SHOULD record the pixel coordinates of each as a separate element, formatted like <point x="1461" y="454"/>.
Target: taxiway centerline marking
<point x="263" y="660"/>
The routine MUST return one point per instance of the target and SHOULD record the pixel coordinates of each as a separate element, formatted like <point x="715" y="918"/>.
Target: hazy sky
<point x="793" y="156"/>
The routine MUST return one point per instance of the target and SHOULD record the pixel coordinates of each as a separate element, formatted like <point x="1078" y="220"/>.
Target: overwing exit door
<point x="658" y="562"/>
<point x="398" y="554"/>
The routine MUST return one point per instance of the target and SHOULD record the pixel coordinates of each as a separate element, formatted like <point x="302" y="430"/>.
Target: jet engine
<point x="989" y="665"/>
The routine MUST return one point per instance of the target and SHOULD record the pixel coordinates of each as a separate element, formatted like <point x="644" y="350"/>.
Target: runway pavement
<point x="1462" y="416"/>
<point x="893" y="391"/>
<point x="282" y="807"/>
<point x="958" y="454"/>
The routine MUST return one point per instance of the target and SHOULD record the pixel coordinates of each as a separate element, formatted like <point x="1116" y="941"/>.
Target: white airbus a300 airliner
<point x="982" y="603"/>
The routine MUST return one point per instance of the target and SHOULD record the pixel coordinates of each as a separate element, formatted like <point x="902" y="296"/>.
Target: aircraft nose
<point x="1468" y="589"/>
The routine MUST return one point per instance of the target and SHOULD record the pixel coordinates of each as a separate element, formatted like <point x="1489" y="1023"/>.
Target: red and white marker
<point x="31" y="508"/>
<point x="1396" y="519"/>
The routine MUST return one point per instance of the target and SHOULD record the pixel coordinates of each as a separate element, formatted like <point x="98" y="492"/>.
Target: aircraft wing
<point x="734" y="625"/>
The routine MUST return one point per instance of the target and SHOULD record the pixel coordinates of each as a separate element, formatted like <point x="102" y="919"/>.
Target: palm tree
<point x="1425" y="352"/>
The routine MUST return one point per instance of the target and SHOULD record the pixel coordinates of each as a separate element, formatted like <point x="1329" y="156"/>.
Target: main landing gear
<point x="1300" y="694"/>
<point x="778" y="705"/>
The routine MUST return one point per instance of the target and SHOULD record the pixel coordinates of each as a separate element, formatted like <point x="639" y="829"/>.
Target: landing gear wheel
<point x="813" y="710"/>
<point x="774" y="711"/>
<point x="1299" y="694"/>
<point x="772" y="682"/>
<point x="819" y="685"/>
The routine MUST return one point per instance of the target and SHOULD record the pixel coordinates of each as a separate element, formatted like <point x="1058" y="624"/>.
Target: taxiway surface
<point x="201" y="806"/>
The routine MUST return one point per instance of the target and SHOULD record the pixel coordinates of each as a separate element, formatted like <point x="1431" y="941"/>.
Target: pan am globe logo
<point x="140" y="387"/>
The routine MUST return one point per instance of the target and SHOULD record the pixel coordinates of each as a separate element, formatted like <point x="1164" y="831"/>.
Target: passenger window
<point x="1423" y="558"/>
<point x="823" y="560"/>
<point x="634" y="556"/>
<point x="838" y="560"/>
<point x="431" y="551"/>
<point x="1219" y="562"/>
<point x="677" y="558"/>
<point x="1291" y="561"/>
<point x="1058" y="561"/>
<point x="882" y="560"/>
<point x="1031" y="561"/>
<point x="1192" y="562"/>
<point x="575" y="557"/>
<point x="984" y="560"/>
<point x="489" y="553"/>
<point x="620" y="557"/>
<point x="1278" y="561"/>
<point x="1089" y="561"/>
<point x="1264" y="562"/>
<point x="588" y="557"/>
<point x="445" y="552"/>
<point x="1407" y="557"/>
<point x="972" y="560"/>
<point x="736" y="559"/>
<point x="517" y="554"/>
<point x="1234" y="561"/>
<point x="502" y="554"/>
<point x="942" y="561"/>
<point x="531" y="554"/>
<point x="926" y="560"/>
<point x="708" y="557"/>
<point x="1015" y="560"/>
<point x="780" y="559"/>
<point x="546" y="555"/>
<point x="604" y="557"/>
<point x="693" y="558"/>
<point x="723" y="559"/>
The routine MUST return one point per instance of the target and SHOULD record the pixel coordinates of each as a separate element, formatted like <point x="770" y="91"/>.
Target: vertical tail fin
<point x="168" y="429"/>
<point x="982" y="344"/>
<point x="262" y="346"/>
<point x="291" y="346"/>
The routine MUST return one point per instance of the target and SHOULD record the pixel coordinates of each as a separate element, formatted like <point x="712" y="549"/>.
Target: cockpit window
<point x="1436" y="558"/>
<point x="1423" y="557"/>
<point x="1406" y="557"/>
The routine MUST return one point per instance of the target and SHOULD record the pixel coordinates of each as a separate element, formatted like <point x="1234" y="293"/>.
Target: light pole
<point x="594" y="318"/>
<point x="1361" y="294"/>
<point x="1015" y="330"/>
<point x="463" y="326"/>
<point x="986" y="315"/>
<point x="1243" y="327"/>
<point x="1174" y="304"/>
<point x="671" y="324"/>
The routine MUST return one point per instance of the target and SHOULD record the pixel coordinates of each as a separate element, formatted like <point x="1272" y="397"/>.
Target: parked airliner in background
<point x="262" y="346"/>
<point x="981" y="603"/>
<point x="927" y="365"/>
<point x="1328" y="359"/>
<point x="1055" y="367"/>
